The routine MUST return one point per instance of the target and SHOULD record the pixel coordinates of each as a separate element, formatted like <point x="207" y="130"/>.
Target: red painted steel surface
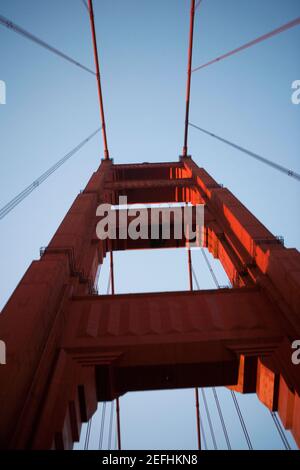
<point x="68" y="349"/>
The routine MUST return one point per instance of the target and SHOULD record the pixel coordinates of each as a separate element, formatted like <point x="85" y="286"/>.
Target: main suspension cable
<point x="272" y="33"/>
<point x="36" y="183"/>
<point x="19" y="30"/>
<point x="276" y="166"/>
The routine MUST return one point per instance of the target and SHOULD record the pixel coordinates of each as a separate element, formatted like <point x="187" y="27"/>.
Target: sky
<point x="52" y="105"/>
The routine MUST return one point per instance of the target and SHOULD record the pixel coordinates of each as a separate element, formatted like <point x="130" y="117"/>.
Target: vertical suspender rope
<point x="102" y="426"/>
<point x="235" y="402"/>
<point x="111" y="418"/>
<point x="96" y="57"/>
<point x="112" y="277"/>
<point x="112" y="283"/>
<point x="240" y="416"/>
<point x="189" y="76"/>
<point x="280" y="431"/>
<point x="198" y="418"/>
<point x="209" y="420"/>
<point x="87" y="436"/>
<point x="196" y="388"/>
<point x="190" y="269"/>
<point x="221" y="418"/>
<point x="118" y="424"/>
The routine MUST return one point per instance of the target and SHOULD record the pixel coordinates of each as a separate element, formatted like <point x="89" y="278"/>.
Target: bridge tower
<point x="69" y="348"/>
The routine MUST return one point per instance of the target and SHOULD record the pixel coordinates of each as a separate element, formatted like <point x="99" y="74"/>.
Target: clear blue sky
<point x="52" y="105"/>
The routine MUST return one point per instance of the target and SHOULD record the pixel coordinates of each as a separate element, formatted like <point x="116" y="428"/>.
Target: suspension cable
<point x="18" y="29"/>
<point x="280" y="431"/>
<point x="209" y="420"/>
<point x="108" y="284"/>
<point x="118" y="424"/>
<point x="195" y="279"/>
<point x="102" y="426"/>
<point x="189" y="76"/>
<point x="112" y="284"/>
<point x="274" y="165"/>
<point x="86" y="5"/>
<point x="198" y="417"/>
<point x="23" y="194"/>
<point x="198" y="4"/>
<point x="238" y="410"/>
<point x="272" y="33"/>
<point x="203" y="436"/>
<point x="191" y="273"/>
<point x="116" y="437"/>
<point x="221" y="418"/>
<point x="240" y="416"/>
<point x="213" y="389"/>
<point x="111" y="417"/>
<point x="198" y="421"/>
<point x="88" y="433"/>
<point x="112" y="276"/>
<point x="210" y="268"/>
<point x="100" y="96"/>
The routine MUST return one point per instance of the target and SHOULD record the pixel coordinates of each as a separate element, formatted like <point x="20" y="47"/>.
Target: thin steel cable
<point x="195" y="279"/>
<point x="18" y="29"/>
<point x="221" y="418"/>
<point x="111" y="417"/>
<point x="209" y="420"/>
<point x="238" y="410"/>
<point x="210" y="268"/>
<point x="192" y="275"/>
<point x="36" y="183"/>
<point x="280" y="431"/>
<point x="118" y="423"/>
<point x="98" y="77"/>
<point x="272" y="33"/>
<point x="198" y="4"/>
<point x="213" y="389"/>
<point x="189" y="79"/>
<point x="116" y="436"/>
<point x="86" y="5"/>
<point x="276" y="166"/>
<point x="102" y="426"/>
<point x="203" y="436"/>
<point x="108" y="284"/>
<point x="88" y="433"/>
<point x="240" y="416"/>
